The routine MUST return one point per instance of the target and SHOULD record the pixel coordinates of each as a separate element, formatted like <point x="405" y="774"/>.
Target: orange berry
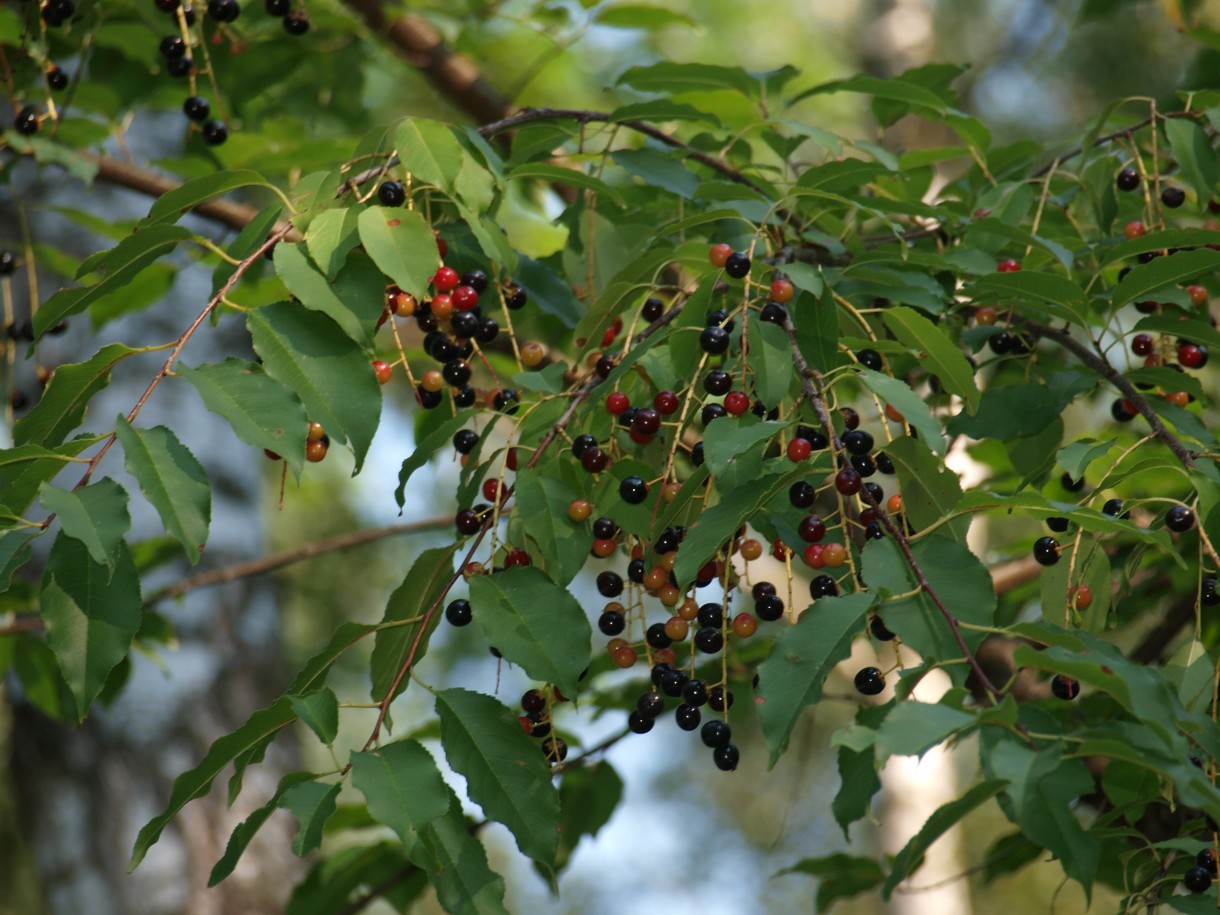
<point x="604" y="548"/>
<point x="315" y="451"/>
<point x="782" y="291"/>
<point x="677" y="628"/>
<point x="688" y="609"/>
<point x="1134" y="229"/>
<point x="1081" y="597"/>
<point x="655" y="578"/>
<point x="664" y="656"/>
<point x="669" y="595"/>
<point x="1178" y="398"/>
<point x="751" y="549"/>
<point x="894" y="414"/>
<point x="718" y="254"/>
<point x="833" y="555"/>
<point x="745" y="625"/>
<point x="432" y="381"/>
<point x="403" y="304"/>
<point x="616" y="644"/>
<point x="894" y="504"/>
<point x="670" y="491"/>
<point x="625" y="657"/>
<point x="531" y="354"/>
<point x="668" y="561"/>
<point x="579" y="510"/>
<point x="985" y="314"/>
<point x="442" y="305"/>
<point x="316" y="433"/>
<point x="1198" y="295"/>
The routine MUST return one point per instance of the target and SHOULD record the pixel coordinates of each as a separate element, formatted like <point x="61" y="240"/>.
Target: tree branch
<point x="456" y="77"/>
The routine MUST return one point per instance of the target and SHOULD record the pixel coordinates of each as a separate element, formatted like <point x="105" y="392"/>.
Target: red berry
<point x="1198" y="295"/>
<point x="1142" y="344"/>
<point x="1191" y="355"/>
<point x="848" y="481"/>
<point x="736" y="403"/>
<point x="446" y="279"/>
<point x="608" y="336"/>
<point x="1008" y="265"/>
<point x="782" y="291"/>
<point x="813" y="555"/>
<point x="465" y="298"/>
<point x="510" y="460"/>
<point x="516" y="558"/>
<point x="491" y="489"/>
<point x="441" y="247"/>
<point x="382" y="370"/>
<point x="666" y="403"/>
<point x="617" y="403"/>
<point x="798" y="450"/>
<point x="1134" y="229"/>
<point x="719" y="254"/>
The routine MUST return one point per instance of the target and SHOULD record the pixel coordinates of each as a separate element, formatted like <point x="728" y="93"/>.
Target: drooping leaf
<point x="196" y="782"/>
<point x="534" y="623"/>
<point x="249" y="827"/>
<point x="173" y="205"/>
<point x="263" y="412"/>
<point x="542" y="503"/>
<point x="94" y="515"/>
<point x="313" y="803"/>
<point x="401" y="244"/>
<point x="404" y="790"/>
<point x="320" y="712"/>
<point x="913" y="408"/>
<point x="306" y="283"/>
<point x="946" y="817"/>
<point x="937" y="352"/>
<point x="429" y="151"/>
<point x="505" y="774"/>
<point x="588" y="797"/>
<point x="306" y="351"/>
<point x="840" y="876"/>
<point x="426" y="447"/>
<point x="92" y="613"/>
<point x="411" y="600"/>
<point x="172" y="480"/>
<point x="801" y="659"/>
<point x="465" y="884"/>
<point x="67" y="396"/>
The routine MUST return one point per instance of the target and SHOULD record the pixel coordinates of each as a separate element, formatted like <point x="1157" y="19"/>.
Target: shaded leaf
<point x="404" y="790"/>
<point x="320" y="711"/>
<point x="935" y="350"/>
<point x="249" y="827"/>
<point x="67" y="396"/>
<point x="312" y="803"/>
<point x="542" y="504"/>
<point x="95" y="515"/>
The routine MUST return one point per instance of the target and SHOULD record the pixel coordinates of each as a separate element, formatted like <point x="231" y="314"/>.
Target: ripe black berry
<point x="710" y="615"/>
<point x="1179" y="519"/>
<point x="1208" y="593"/>
<point x="476" y="280"/>
<point x="688" y="717"/>
<point x="633" y="490"/>
<point x="456" y="372"/>
<point x="823" y="586"/>
<point x="716" y="733"/>
<point x="879" y="630"/>
<point x="173" y="46"/>
<point x="1113" y="508"/>
<point x="224" y="10"/>
<point x="694" y="693"/>
<point x="464" y="440"/>
<point x="883" y="462"/>
<point x="489" y="329"/>
<point x="737" y="266"/>
<point x="1173" y="197"/>
<point x="714" y="340"/>
<point x="8" y="263"/>
<point x="709" y="641"/>
<point x="554" y="749"/>
<point x="657" y="637"/>
<point x="858" y="442"/>
<point x="1206" y="859"/>
<point x="1128" y="179"/>
<point x="515" y="298"/>
<point x="870" y="359"/>
<point x="717" y="382"/>
<point x="278" y="7"/>
<point x="1064" y="687"/>
<point x="635" y="570"/>
<point x="609" y="584"/>
<point x="870" y="681"/>
<point x="773" y="313"/>
<point x="533" y="701"/>
<point x="458" y="612"/>
<point x="1058" y="525"/>
<point x="653" y="308"/>
<point x="720" y="318"/>
<point x="611" y="622"/>
<point x="196" y="108"/>
<point x="1046" y="550"/>
<point x="57" y="79"/>
<point x="604" y="529"/>
<point x="1197" y="880"/>
<point x="719" y="699"/>
<point x="392" y="194"/>
<point x="769" y="608"/>
<point x="215" y="133"/>
<point x="26" y="122"/>
<point x="296" y="24"/>
<point x="650" y="703"/>
<point x="726" y="757"/>
<point x="1119" y="411"/>
<point x="672" y="682"/>
<point x="464" y="398"/>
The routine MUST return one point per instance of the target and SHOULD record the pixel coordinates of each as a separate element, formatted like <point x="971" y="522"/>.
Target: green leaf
<point x="1190" y="670"/>
<point x="304" y="281"/>
<point x="262" y="726"/>
<point x="429" y="151"/>
<point x="658" y="169"/>
<point x="913" y="408"/>
<point x="588" y="797"/>
<point x="935" y="350"/>
<point x="67" y="396"/>
<point x="840" y="876"/>
<point x="769" y="361"/>
<point x="24" y="469"/>
<point x="173" y="205"/>
<point x="426" y="448"/>
<point x="640" y="16"/>
<point x="659" y="110"/>
<point x="670" y="78"/>
<point x="912" y="728"/>
<point x="858" y="774"/>
<point x="92" y="613"/>
<point x="401" y="244"/>
<point x="1192" y="149"/>
<point x="313" y="803"/>
<point x="548" y="380"/>
<point x="1178" y="326"/>
<point x="800" y="661"/>
<point x="331" y="236"/>
<point x="465" y="885"/>
<point x="122" y="264"/>
<point x="95" y="515"/>
<point x="1160" y="272"/>
<point x="313" y="674"/>
<point x="930" y="490"/>
<point x="249" y="239"/>
<point x="14" y="553"/>
<point x="562" y="546"/>
<point x="320" y="712"/>
<point x="946" y="816"/>
<point x="534" y="623"/>
<point x="262" y="412"/>
<point x="1012" y="411"/>
<point x="557" y="174"/>
<point x="1052" y="295"/>
<point x="420" y="589"/>
<point x="817" y="329"/>
<point x="724" y="444"/>
<point x="404" y="791"/>
<point x="249" y="827"/>
<point x="1076" y="457"/>
<point x="962" y="583"/>
<point x="505" y="774"/>
<point x="1156" y="241"/>
<point x="305" y="351"/>
<point x="172" y="480"/>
